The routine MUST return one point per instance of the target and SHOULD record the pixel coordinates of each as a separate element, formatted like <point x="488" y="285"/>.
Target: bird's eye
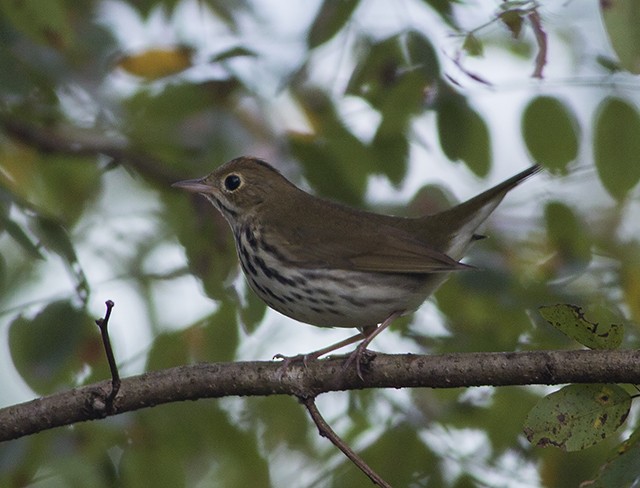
<point x="232" y="182"/>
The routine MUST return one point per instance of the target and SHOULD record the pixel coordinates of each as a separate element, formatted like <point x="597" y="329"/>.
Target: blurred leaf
<point x="568" y="235"/>
<point x="221" y="334"/>
<point x="422" y="57"/>
<point x="206" y="239"/>
<point x="550" y="131"/>
<point x="3" y="274"/>
<point x="606" y="333"/>
<point x="234" y="52"/>
<point x="418" y="467"/>
<point x="329" y="20"/>
<point x="577" y="416"/>
<point x="333" y="157"/>
<point x="377" y="71"/>
<point x="45" y="22"/>
<point x="156" y="63"/>
<point x="54" y="237"/>
<point x="174" y="123"/>
<point x="464" y="135"/>
<point x="621" y="20"/>
<point x="198" y="445"/>
<point x="282" y="422"/>
<point x="154" y="465"/>
<point x="622" y="468"/>
<point x="391" y="141"/>
<point x="168" y="350"/>
<point x="392" y="153"/>
<point x="252" y="312"/>
<point x="472" y="45"/>
<point x="513" y="20"/>
<point x="46" y="349"/>
<point x="473" y="324"/>
<point x="610" y="64"/>
<point x="328" y="173"/>
<point x="617" y="145"/>
<point x="384" y="65"/>
<point x="145" y="7"/>
<point x="630" y="281"/>
<point x="443" y="8"/>
<point x="500" y="415"/>
<point x="19" y="235"/>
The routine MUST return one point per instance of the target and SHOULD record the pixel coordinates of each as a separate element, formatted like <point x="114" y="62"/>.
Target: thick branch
<point x="214" y="380"/>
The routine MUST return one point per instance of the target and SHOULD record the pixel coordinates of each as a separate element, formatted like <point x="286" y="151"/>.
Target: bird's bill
<point x="193" y="186"/>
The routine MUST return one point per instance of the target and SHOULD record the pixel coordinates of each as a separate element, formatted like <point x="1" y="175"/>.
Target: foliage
<point x="105" y="103"/>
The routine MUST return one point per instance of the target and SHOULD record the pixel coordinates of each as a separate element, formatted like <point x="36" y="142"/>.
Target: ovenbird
<point x="330" y="265"/>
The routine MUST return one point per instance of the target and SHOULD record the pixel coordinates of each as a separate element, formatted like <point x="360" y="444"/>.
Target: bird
<point x="330" y="265"/>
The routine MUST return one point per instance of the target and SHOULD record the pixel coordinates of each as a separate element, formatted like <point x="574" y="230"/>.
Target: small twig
<point x="541" y="39"/>
<point x="325" y="430"/>
<point x="115" y="376"/>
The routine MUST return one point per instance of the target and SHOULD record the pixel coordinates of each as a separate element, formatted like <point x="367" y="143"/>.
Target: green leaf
<point x="335" y="160"/>
<point x="621" y="20"/>
<point x="464" y="134"/>
<point x="422" y="57"/>
<point x="328" y="172"/>
<point x="550" y="131"/>
<point x="418" y="463"/>
<point x="577" y="416"/>
<point x="19" y="235"/>
<point x="617" y="146"/>
<point x="605" y="333"/>
<point x="46" y="350"/>
<point x="45" y="22"/>
<point x="568" y="234"/>
<point x="622" y="468"/>
<point x="513" y="20"/>
<point x="252" y="312"/>
<point x="472" y="45"/>
<point x="233" y="52"/>
<point x="55" y="238"/>
<point x="168" y="350"/>
<point x="385" y="64"/>
<point x="390" y="144"/>
<point x="221" y="335"/>
<point x="330" y="19"/>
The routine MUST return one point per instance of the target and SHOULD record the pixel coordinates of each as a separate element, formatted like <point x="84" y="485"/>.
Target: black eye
<point x="232" y="182"/>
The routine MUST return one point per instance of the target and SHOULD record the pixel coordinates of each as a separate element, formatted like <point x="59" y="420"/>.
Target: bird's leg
<point x="287" y="360"/>
<point x="369" y="335"/>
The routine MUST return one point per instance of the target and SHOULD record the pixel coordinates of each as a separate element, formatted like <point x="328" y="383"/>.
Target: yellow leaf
<point x="157" y="63"/>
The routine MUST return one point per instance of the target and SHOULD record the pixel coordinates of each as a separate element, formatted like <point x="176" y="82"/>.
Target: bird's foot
<point x="288" y="360"/>
<point x="360" y="356"/>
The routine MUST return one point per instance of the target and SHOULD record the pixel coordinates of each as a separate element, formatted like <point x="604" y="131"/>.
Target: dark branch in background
<point x="76" y="142"/>
<point x="215" y="380"/>
<point x="325" y="430"/>
<point x="106" y="341"/>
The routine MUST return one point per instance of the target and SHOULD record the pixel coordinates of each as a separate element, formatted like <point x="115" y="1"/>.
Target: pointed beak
<point x="193" y="186"/>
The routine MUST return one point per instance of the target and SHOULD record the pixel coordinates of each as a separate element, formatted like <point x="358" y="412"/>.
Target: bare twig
<point x="106" y="341"/>
<point x="325" y="430"/>
<point x="541" y="39"/>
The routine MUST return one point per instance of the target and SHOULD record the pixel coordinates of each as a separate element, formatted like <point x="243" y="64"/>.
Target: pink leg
<point x="287" y="360"/>
<point x="356" y="355"/>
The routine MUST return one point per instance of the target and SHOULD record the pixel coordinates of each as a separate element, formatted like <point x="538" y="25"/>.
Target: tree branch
<point x="261" y="378"/>
<point x="75" y="142"/>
